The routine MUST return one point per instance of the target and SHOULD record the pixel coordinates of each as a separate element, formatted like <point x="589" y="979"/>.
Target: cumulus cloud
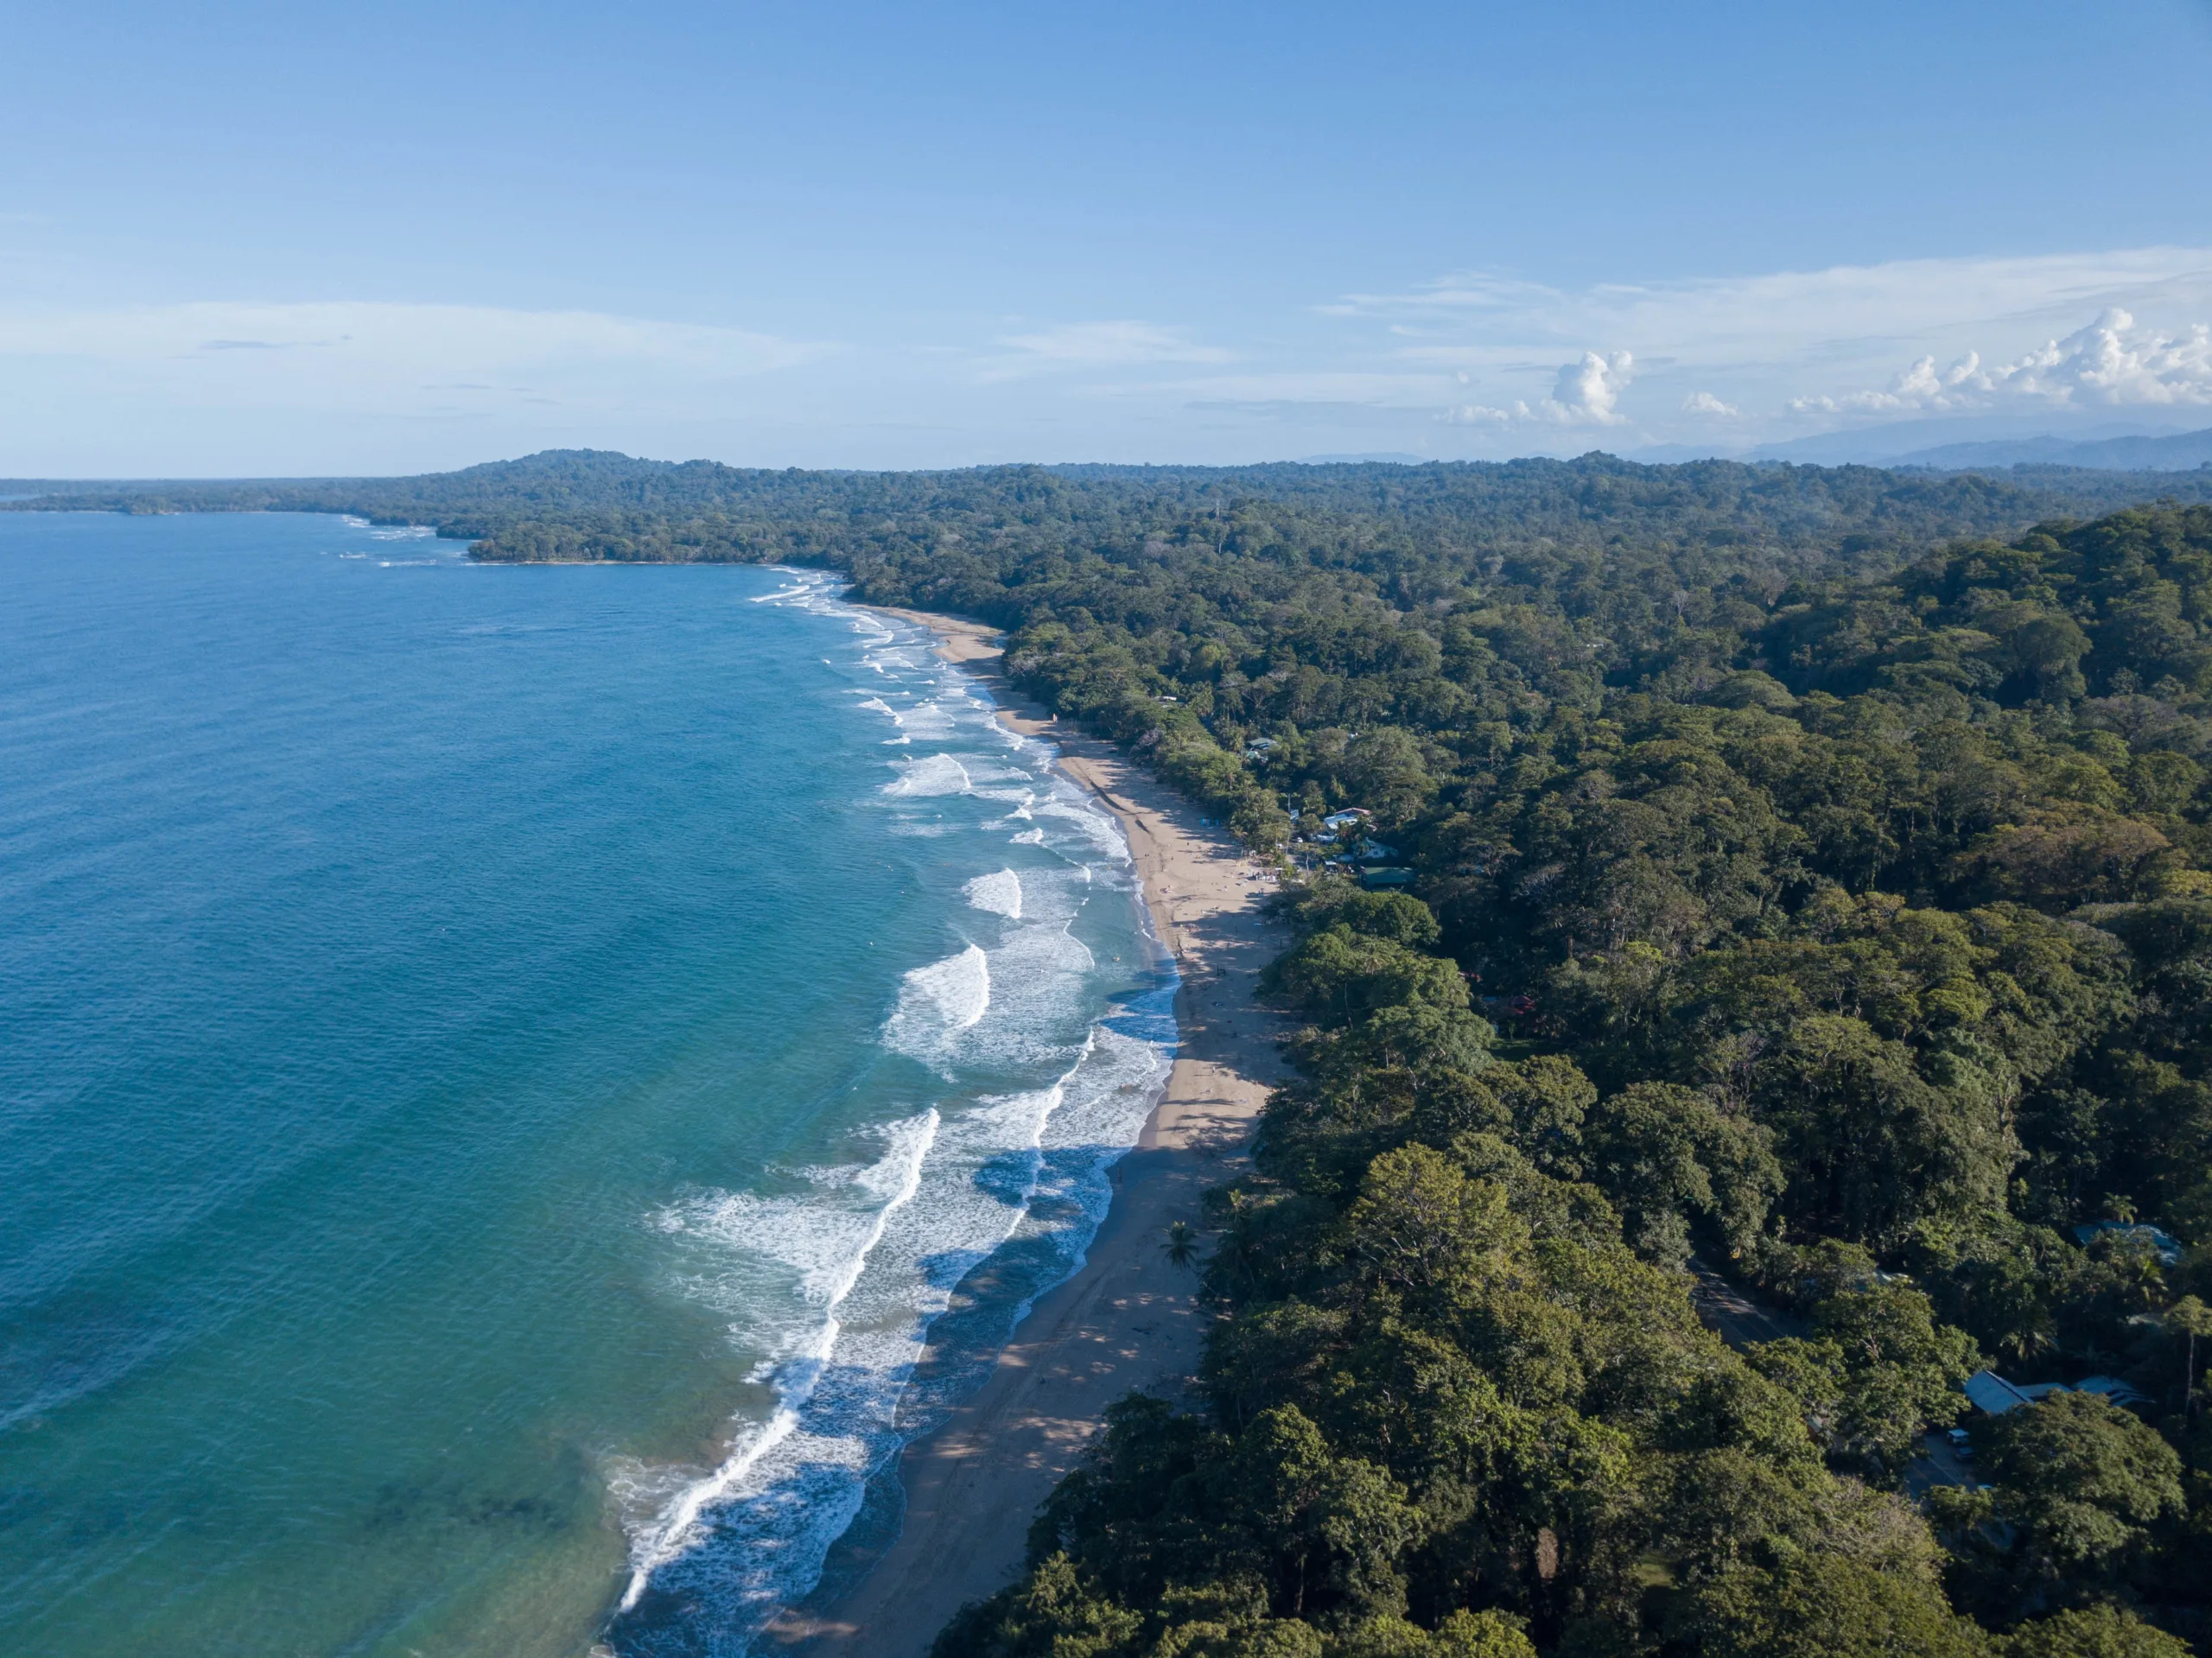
<point x="1586" y="393"/>
<point x="1589" y="390"/>
<point x="1513" y="365"/>
<point x="1790" y="352"/>
<point x="2111" y="363"/>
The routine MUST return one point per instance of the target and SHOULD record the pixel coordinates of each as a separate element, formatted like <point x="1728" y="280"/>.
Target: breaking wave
<point x="1000" y="894"/>
<point x="937" y="1002"/>
<point x="1031" y="1063"/>
<point x="933" y="774"/>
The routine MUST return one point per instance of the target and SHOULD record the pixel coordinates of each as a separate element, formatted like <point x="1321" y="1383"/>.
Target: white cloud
<point x="2112" y="361"/>
<point x="1108" y="345"/>
<point x="1475" y="318"/>
<point x="1784" y="353"/>
<point x="385" y="358"/>
<point x="1468" y="364"/>
<point x="1387" y="386"/>
<point x="1590" y="389"/>
<point x="2109" y="364"/>
<point x="1481" y="414"/>
<point x="1587" y="392"/>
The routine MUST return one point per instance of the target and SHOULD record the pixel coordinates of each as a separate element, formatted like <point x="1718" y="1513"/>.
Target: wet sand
<point x="1128" y="1319"/>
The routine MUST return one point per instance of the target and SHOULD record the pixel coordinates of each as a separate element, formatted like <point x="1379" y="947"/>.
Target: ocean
<point x="500" y="1068"/>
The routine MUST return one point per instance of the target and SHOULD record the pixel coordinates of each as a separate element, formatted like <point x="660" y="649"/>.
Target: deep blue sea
<point x="499" y="1070"/>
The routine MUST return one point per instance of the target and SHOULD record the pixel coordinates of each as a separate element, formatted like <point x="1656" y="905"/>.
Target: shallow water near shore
<point x="499" y="1070"/>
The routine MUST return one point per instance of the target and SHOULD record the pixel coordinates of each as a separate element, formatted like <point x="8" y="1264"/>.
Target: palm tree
<point x="1182" y="1246"/>
<point x="2193" y="1318"/>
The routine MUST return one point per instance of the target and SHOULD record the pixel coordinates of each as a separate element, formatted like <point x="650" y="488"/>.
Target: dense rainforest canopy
<point x="585" y="504"/>
<point x="1807" y="881"/>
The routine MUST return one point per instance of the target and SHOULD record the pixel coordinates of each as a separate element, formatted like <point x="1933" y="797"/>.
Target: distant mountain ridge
<point x="581" y="505"/>
<point x="2182" y="452"/>
<point x="1976" y="441"/>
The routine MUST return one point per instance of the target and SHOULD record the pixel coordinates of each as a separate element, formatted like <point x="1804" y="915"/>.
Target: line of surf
<point x="1071" y="1135"/>
<point x="681" y="1527"/>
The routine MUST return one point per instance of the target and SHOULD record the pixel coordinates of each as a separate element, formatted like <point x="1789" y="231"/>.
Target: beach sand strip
<point x="1128" y="1319"/>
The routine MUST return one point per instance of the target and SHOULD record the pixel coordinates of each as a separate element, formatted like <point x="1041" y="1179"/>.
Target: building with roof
<point x="2120" y="1392"/>
<point x="1993" y="1395"/>
<point x="2167" y="1245"/>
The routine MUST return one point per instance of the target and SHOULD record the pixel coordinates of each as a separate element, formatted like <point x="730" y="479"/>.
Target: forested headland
<point x="1806" y="882"/>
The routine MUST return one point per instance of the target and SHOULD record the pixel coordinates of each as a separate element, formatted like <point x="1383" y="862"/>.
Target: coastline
<point x="1126" y="1319"/>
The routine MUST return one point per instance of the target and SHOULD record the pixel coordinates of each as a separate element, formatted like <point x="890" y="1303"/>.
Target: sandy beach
<point x="1128" y="1319"/>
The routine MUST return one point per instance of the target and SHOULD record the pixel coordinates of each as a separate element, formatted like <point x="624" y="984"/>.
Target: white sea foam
<point x="938" y="1002"/>
<point x="935" y="720"/>
<point x="933" y="774"/>
<point x="750" y="1534"/>
<point x="1042" y="975"/>
<point x="807" y="590"/>
<point x="829" y="1259"/>
<point x="1000" y="893"/>
<point x="1103" y="834"/>
<point x="836" y="1285"/>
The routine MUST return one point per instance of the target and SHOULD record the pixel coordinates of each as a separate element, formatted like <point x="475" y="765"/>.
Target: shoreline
<point x="1126" y="1319"/>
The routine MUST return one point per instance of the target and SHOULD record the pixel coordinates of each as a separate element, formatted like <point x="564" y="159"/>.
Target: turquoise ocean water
<point x="499" y="1067"/>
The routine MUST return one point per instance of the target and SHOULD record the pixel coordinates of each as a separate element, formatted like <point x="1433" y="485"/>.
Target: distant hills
<point x="587" y="504"/>
<point x="1979" y="444"/>
<point x="2182" y="452"/>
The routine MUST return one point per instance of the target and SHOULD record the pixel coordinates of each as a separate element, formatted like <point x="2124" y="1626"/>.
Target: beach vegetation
<point x="1804" y="947"/>
<point x="1843" y="938"/>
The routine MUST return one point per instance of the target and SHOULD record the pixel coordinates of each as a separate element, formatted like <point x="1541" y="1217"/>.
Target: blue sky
<point x="263" y="239"/>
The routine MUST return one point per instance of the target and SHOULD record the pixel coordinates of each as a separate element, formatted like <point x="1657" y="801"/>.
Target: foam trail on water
<point x="933" y="774"/>
<point x="724" y="1552"/>
<point x="937" y="1002"/>
<point x="894" y="1180"/>
<point x="1037" y="1079"/>
<point x="1000" y="894"/>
